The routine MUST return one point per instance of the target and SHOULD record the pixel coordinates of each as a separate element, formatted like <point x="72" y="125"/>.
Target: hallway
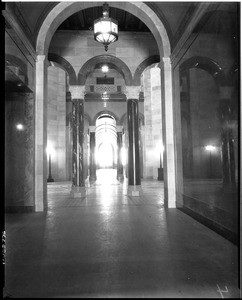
<point x="111" y="245"/>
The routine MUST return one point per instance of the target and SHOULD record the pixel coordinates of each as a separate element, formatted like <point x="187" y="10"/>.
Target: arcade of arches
<point x="170" y="118"/>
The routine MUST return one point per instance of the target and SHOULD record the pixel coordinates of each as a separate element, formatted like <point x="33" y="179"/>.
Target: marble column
<point x="78" y="176"/>
<point x="120" y="170"/>
<point x="225" y="113"/>
<point x="40" y="177"/>
<point x="68" y="136"/>
<point x="168" y="133"/>
<point x="93" y="176"/>
<point x="141" y="138"/>
<point x="134" y="181"/>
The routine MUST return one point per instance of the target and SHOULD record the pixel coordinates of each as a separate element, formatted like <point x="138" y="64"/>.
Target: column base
<point x="50" y="179"/>
<point x="92" y="178"/>
<point x="134" y="190"/>
<point x="120" y="177"/>
<point x="78" y="191"/>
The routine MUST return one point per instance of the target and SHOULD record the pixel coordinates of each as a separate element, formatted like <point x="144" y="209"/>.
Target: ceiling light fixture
<point x="105" y="28"/>
<point x="105" y="68"/>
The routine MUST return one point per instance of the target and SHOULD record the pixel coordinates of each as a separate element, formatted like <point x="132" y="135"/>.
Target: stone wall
<point x="153" y="122"/>
<point x="111" y="88"/>
<point x="132" y="47"/>
<point x="56" y="127"/>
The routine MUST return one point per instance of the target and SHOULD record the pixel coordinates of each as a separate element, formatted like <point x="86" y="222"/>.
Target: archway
<point x="106" y="148"/>
<point x="55" y="17"/>
<point x="111" y="61"/>
<point x="65" y="9"/>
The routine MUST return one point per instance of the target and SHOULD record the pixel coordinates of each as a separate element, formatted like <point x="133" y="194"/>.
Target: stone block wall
<point x="148" y="145"/>
<point x="132" y="47"/>
<point x="156" y="118"/>
<point x="56" y="127"/>
<point x="99" y="88"/>
<point x="153" y="122"/>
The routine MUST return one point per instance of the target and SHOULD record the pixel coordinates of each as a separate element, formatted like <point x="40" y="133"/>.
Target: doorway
<point x="106" y="149"/>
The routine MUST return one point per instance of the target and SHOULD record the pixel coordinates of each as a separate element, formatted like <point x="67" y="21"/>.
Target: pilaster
<point x="168" y="133"/>
<point x="41" y="133"/>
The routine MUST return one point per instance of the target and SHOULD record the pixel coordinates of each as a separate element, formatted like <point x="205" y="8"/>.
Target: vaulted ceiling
<point x="83" y="20"/>
<point x="174" y="15"/>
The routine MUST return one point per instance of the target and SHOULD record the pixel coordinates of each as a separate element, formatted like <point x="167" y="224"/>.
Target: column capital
<point x="132" y="92"/>
<point x="40" y="57"/>
<point x="165" y="61"/>
<point x="92" y="128"/>
<point x="77" y="91"/>
<point x="42" y="60"/>
<point x="119" y="128"/>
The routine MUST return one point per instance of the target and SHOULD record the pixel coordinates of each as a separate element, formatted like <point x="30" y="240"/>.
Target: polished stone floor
<point x="110" y="245"/>
<point x="212" y="192"/>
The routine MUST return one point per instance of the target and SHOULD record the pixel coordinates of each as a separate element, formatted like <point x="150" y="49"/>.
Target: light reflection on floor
<point x="106" y="191"/>
<point x="108" y="244"/>
<point x="106" y="177"/>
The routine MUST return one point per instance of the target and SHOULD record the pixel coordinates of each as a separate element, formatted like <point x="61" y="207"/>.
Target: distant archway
<point x="147" y="62"/>
<point x="65" y="65"/>
<point x="110" y="60"/>
<point x="106" y="141"/>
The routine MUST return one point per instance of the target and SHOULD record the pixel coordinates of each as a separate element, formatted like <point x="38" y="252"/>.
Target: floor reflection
<point x="212" y="193"/>
<point x="106" y="177"/>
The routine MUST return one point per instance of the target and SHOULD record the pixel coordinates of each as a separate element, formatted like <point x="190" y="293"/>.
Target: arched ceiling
<point x="83" y="20"/>
<point x="173" y="15"/>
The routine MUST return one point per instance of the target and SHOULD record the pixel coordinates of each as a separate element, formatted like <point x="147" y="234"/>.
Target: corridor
<point x="111" y="245"/>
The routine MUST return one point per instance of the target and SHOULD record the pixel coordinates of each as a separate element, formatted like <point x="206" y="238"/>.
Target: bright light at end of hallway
<point x="105" y="155"/>
<point x="159" y="147"/>
<point x="210" y="148"/>
<point x="50" y="149"/>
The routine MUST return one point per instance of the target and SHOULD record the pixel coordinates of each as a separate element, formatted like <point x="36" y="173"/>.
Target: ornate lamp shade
<point x="106" y="29"/>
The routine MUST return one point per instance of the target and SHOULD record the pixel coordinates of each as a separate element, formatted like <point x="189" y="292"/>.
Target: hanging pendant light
<point x="105" y="28"/>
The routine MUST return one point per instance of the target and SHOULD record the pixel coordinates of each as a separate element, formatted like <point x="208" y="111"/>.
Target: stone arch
<point x="65" y="9"/>
<point x="65" y="65"/>
<point x="110" y="60"/>
<point x="206" y="64"/>
<point x="107" y="112"/>
<point x="143" y="65"/>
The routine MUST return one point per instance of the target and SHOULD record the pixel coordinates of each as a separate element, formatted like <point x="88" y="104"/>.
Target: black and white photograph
<point x="121" y="149"/>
